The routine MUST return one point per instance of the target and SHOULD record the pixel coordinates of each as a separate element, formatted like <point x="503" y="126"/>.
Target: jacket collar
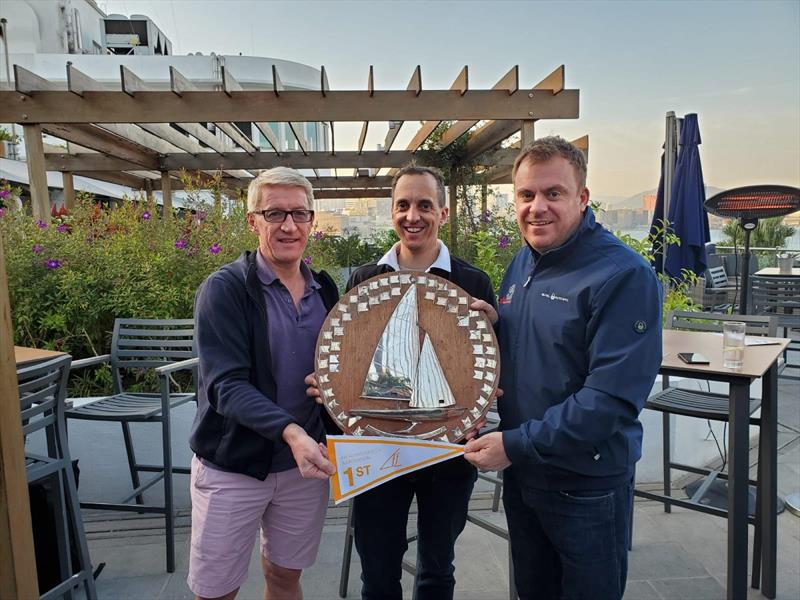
<point x="586" y="223"/>
<point x="442" y="262"/>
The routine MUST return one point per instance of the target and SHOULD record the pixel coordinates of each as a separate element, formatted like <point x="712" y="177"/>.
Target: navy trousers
<point x="380" y="517"/>
<point x="570" y="545"/>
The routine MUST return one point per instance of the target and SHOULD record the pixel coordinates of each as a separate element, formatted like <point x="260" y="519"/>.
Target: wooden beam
<point x="210" y="161"/>
<point x="69" y="191"/>
<point x="277" y="84"/>
<point x="141" y="137"/>
<point x="323" y="81"/>
<point x="553" y="82"/>
<point x="294" y="105"/>
<point x="453" y="216"/>
<point x="583" y="144"/>
<point x="37" y="174"/>
<point x="102" y="141"/>
<point x="527" y="128"/>
<point x="173" y="137"/>
<point x="371" y="82"/>
<point x="229" y="83"/>
<point x="131" y="83"/>
<point x="26" y="82"/>
<point x="508" y="82"/>
<point x="353" y="193"/>
<point x="126" y="179"/>
<point x="18" y="572"/>
<point x="489" y="135"/>
<point x="180" y="84"/>
<point x="205" y="136"/>
<point x="415" y="84"/>
<point x="461" y="85"/>
<point x="166" y="193"/>
<point x="391" y="134"/>
<point x="351" y="182"/>
<point x="362" y="138"/>
<point x="78" y="82"/>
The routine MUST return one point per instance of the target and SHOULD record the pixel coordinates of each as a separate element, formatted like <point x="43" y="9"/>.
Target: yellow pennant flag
<point x="363" y="463"/>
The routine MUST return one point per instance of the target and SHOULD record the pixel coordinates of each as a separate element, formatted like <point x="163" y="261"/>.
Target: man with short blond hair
<point x="260" y="461"/>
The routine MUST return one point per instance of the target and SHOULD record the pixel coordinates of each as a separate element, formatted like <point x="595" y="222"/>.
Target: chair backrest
<point x="716" y="277"/>
<point x="776" y="295"/>
<point x="42" y="389"/>
<point x="703" y="321"/>
<point x="150" y="343"/>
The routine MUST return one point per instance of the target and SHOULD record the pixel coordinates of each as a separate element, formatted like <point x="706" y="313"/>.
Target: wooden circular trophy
<point x="403" y="355"/>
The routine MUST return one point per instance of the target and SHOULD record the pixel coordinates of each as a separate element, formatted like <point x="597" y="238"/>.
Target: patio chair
<point x="714" y="292"/>
<point x="42" y="388"/>
<point x="167" y="346"/>
<point x="703" y="405"/>
<point x="779" y="297"/>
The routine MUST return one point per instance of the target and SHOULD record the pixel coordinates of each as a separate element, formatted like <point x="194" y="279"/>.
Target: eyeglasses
<point x="275" y="215"/>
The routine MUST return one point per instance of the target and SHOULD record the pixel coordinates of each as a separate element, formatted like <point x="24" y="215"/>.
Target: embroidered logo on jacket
<point x="507" y="298"/>
<point x="552" y="296"/>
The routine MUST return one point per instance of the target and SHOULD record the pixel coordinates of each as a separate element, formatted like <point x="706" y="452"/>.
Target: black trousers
<point x="380" y="517"/>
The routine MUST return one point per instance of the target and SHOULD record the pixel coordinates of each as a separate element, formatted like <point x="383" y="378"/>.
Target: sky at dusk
<point x="736" y="64"/>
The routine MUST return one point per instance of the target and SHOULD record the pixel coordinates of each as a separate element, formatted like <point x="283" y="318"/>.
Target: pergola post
<point x="453" y="193"/>
<point x="527" y="133"/>
<point x="37" y="175"/>
<point x="484" y="204"/>
<point x="69" y="191"/>
<point x="148" y="189"/>
<point x="166" y="194"/>
<point x="18" y="572"/>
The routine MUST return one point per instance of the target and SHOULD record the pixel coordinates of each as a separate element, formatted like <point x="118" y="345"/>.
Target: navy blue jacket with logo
<point x="580" y="342"/>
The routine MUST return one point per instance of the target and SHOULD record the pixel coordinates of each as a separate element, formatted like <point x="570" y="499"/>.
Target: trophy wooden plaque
<point x="403" y="355"/>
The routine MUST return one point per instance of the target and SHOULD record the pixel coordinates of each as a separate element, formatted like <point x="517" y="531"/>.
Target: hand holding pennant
<point x="363" y="463"/>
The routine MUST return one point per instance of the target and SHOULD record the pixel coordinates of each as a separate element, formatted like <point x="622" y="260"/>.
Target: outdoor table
<point x="759" y="361"/>
<point x="28" y="356"/>
<point x="775" y="272"/>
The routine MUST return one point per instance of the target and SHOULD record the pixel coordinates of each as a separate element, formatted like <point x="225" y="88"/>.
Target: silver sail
<point x="431" y="389"/>
<point x="393" y="369"/>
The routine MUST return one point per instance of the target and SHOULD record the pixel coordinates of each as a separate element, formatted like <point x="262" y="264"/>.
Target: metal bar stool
<point x="42" y="389"/>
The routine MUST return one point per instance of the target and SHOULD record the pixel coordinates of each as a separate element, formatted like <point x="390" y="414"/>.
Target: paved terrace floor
<point x="678" y="555"/>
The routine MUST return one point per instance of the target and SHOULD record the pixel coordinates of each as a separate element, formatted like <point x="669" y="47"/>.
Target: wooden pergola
<point x="142" y="134"/>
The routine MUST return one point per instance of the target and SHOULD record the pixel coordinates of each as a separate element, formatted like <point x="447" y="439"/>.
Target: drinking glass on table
<point x="733" y="344"/>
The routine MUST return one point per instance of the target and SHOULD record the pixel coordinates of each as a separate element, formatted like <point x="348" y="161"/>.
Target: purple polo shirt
<point x="292" y="335"/>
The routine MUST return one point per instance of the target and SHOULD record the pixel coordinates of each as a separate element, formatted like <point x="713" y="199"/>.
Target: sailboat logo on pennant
<point x="411" y="359"/>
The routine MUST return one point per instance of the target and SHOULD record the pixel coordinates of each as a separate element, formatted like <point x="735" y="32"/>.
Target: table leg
<point x="768" y="485"/>
<point x="738" y="442"/>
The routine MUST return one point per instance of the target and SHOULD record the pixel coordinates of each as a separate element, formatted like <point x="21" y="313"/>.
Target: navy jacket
<point x="580" y="342"/>
<point x="237" y="423"/>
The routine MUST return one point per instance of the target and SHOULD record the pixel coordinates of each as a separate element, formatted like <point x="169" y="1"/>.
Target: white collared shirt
<point x="442" y="260"/>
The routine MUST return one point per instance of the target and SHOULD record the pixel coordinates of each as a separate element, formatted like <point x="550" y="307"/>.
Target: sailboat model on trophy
<point x="405" y="378"/>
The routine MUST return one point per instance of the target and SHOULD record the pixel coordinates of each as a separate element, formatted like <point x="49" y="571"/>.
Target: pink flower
<point x="5" y="193"/>
<point x="180" y="244"/>
<point x="41" y="224"/>
<point x="215" y="248"/>
<point x="145" y="216"/>
<point x="308" y="260"/>
<point x="37" y="249"/>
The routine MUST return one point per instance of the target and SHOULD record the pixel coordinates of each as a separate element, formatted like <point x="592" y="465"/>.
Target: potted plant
<point x="5" y="137"/>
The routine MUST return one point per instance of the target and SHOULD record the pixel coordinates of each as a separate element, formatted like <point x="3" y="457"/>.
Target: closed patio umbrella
<point x="687" y="214"/>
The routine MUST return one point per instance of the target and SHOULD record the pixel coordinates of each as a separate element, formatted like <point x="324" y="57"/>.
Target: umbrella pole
<point x="748" y="225"/>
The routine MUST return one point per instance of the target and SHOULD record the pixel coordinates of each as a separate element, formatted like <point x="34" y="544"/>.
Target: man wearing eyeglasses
<point x="257" y="438"/>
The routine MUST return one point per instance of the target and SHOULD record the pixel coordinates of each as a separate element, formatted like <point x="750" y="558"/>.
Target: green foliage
<point x="769" y="233"/>
<point x="5" y="135"/>
<point x="68" y="280"/>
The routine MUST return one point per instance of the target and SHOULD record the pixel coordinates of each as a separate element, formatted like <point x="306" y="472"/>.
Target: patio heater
<point x="749" y="204"/>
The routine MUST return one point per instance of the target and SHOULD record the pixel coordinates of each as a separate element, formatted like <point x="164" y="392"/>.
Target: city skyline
<point x="737" y="64"/>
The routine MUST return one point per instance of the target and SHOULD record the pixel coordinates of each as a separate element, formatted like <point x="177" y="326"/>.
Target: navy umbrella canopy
<point x="687" y="216"/>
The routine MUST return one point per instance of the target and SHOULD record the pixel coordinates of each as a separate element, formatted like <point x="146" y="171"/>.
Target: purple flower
<point x="145" y="216"/>
<point x="37" y="249"/>
<point x="308" y="260"/>
<point x="318" y="235"/>
<point x="486" y="216"/>
<point x="62" y="228"/>
<point x="180" y="244"/>
<point x="5" y="193"/>
<point x="503" y="242"/>
<point x="53" y="263"/>
<point x="41" y="224"/>
<point x="215" y="248"/>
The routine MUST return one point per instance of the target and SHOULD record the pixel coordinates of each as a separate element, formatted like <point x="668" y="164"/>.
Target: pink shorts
<point x="227" y="509"/>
